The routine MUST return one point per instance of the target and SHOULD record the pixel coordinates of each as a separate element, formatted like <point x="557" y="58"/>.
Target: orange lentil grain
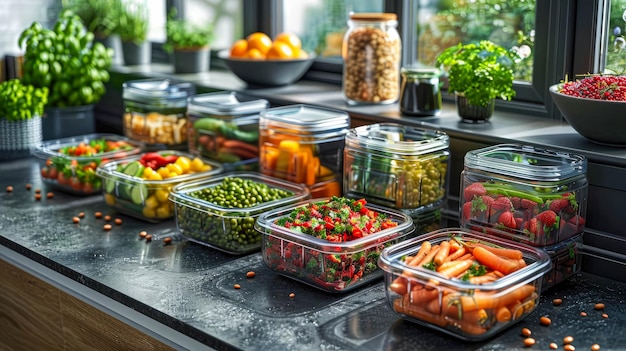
<point x="526" y="332"/>
<point x="107" y="218"/>
<point x="250" y="274"/>
<point x="37" y="197"/>
<point x="75" y="219"/>
<point x="568" y="339"/>
<point x="143" y="233"/>
<point x="292" y="295"/>
<point x="9" y="189"/>
<point x="28" y="186"/>
<point x="81" y="215"/>
<point x="167" y="241"/>
<point x="569" y="347"/>
<point x="98" y="214"/>
<point x="545" y="321"/>
<point x="106" y="227"/>
<point x="553" y="346"/>
<point x="50" y="195"/>
<point x="595" y="347"/>
<point x="557" y="302"/>
<point x="37" y="191"/>
<point x="528" y="342"/>
<point x="148" y="238"/>
<point x="583" y="314"/>
<point x="599" y="306"/>
<point x="118" y="221"/>
<point x="237" y="286"/>
<point x="604" y="315"/>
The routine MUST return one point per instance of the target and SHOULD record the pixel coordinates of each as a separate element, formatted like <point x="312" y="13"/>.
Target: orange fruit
<point x="255" y="54"/>
<point x="290" y="39"/>
<point x="259" y="41"/>
<point x="239" y="48"/>
<point x="280" y="50"/>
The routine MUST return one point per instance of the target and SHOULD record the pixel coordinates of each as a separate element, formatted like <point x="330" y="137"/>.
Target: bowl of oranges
<point x="262" y="61"/>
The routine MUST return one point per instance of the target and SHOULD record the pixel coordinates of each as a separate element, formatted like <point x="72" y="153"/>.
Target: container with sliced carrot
<point x="462" y="282"/>
<point x="224" y="127"/>
<point x="304" y="144"/>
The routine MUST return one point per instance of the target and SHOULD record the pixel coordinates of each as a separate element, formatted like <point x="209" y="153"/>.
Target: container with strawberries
<point x="527" y="194"/>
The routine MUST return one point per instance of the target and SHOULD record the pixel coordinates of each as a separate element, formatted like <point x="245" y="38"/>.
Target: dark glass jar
<point x="420" y="94"/>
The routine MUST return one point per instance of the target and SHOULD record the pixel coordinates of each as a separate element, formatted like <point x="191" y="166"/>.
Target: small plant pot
<point x="473" y="113"/>
<point x="191" y="60"/>
<point x="61" y="122"/>
<point x="136" y="54"/>
<point x="18" y="139"/>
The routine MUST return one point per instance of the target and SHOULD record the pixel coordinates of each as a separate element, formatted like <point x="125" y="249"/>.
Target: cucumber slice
<point x="109" y="185"/>
<point x="138" y="194"/>
<point x="134" y="169"/>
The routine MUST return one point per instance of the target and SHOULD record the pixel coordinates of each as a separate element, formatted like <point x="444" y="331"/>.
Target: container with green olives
<point x="220" y="212"/>
<point x="397" y="166"/>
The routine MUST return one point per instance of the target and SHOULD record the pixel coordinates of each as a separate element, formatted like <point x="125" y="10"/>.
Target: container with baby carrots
<point x="462" y="282"/>
<point x="304" y="144"/>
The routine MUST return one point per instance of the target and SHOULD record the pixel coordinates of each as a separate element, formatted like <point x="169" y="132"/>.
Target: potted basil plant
<point x="478" y="73"/>
<point x="21" y="109"/>
<point x="188" y="43"/>
<point x="133" y="30"/>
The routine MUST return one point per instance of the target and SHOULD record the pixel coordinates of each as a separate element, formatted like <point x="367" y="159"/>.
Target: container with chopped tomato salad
<point x="70" y="163"/>
<point x="332" y="243"/>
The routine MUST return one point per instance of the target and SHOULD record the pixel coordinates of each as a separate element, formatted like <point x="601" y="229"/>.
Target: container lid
<point x="307" y="120"/>
<point x="226" y="104"/>
<point x="397" y="139"/>
<point x="526" y="162"/>
<point x="157" y="89"/>
<point x="421" y="72"/>
<point x="373" y="16"/>
<point x="52" y="148"/>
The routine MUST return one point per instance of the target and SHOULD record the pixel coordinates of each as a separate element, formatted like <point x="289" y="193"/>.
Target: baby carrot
<point x="500" y="251"/>
<point x="403" y="306"/>
<point x="444" y="250"/>
<point x="456" y="254"/>
<point x="483" y="279"/>
<point x="454" y="268"/>
<point x="503" y="314"/>
<point x="423" y="251"/>
<point x="430" y="256"/>
<point x="487" y="300"/>
<point x="422" y="296"/>
<point x="495" y="262"/>
<point x="399" y="286"/>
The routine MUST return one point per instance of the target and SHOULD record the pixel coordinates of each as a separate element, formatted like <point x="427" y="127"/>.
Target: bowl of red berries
<point x="594" y="106"/>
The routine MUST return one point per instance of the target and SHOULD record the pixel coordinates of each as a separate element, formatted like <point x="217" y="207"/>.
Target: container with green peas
<point x="220" y="212"/>
<point x="397" y="166"/>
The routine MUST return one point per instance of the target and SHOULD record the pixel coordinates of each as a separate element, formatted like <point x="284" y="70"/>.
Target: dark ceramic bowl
<point x="270" y="73"/>
<point x="600" y="121"/>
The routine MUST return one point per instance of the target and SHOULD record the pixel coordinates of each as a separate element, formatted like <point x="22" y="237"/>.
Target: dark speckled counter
<point x="186" y="290"/>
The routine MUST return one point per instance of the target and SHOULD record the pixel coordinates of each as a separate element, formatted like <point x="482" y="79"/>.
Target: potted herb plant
<point x="72" y="67"/>
<point x="188" y="43"/>
<point x="478" y="73"/>
<point x="21" y="108"/>
<point x="133" y="30"/>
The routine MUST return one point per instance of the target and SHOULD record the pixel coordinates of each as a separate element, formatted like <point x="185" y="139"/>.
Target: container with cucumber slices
<point x="139" y="186"/>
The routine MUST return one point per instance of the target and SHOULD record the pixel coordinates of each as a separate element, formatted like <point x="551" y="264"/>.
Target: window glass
<point x="320" y="24"/>
<point x="444" y="23"/>
<point x="156" y="23"/>
<point x="616" y="39"/>
<point x="226" y="16"/>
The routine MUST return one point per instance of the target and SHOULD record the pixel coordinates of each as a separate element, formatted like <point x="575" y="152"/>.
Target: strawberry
<point x="472" y="190"/>
<point x="507" y="220"/>
<point x="558" y="205"/>
<point x="499" y="205"/>
<point x="516" y="201"/>
<point x="528" y="204"/>
<point x="549" y="220"/>
<point x="466" y="211"/>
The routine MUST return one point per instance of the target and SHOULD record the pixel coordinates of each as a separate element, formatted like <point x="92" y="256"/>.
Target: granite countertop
<point x="188" y="288"/>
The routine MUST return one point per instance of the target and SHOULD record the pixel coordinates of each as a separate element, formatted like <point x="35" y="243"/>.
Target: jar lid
<point x="398" y="139"/>
<point x="420" y="72"/>
<point x="306" y="119"/>
<point x="373" y="16"/>
<point x="226" y="104"/>
<point x="157" y="89"/>
<point x="526" y="162"/>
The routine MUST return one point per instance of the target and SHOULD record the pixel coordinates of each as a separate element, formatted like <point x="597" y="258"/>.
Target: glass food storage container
<point x="140" y="185"/>
<point x="224" y="127"/>
<point x="371" y="53"/>
<point x="330" y="254"/>
<point x="397" y="166"/>
<point x="528" y="194"/>
<point x="420" y="93"/>
<point x="70" y="164"/>
<point x="471" y="301"/>
<point x="304" y="144"/>
<point x="155" y="112"/>
<point x="220" y="212"/>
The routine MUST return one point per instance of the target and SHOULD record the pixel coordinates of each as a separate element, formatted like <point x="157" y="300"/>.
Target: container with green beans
<point x="397" y="166"/>
<point x="220" y="212"/>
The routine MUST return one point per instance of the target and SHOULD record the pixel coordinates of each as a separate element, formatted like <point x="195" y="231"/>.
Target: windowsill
<point x="503" y="127"/>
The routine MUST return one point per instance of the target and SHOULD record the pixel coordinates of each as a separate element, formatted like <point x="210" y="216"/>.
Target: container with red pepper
<point x="70" y="164"/>
<point x="330" y="243"/>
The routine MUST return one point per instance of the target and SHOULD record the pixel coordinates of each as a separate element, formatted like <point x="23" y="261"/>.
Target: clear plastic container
<point x="304" y="144"/>
<point x="566" y="258"/>
<point x="331" y="266"/>
<point x="70" y="164"/>
<point x="397" y="166"/>
<point x="225" y="226"/>
<point x="224" y="127"/>
<point x="138" y="188"/>
<point x="528" y="194"/>
<point x="155" y="112"/>
<point x="372" y="51"/>
<point x="462" y="308"/>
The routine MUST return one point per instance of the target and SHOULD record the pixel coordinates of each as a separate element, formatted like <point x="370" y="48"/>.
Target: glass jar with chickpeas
<point x="371" y="54"/>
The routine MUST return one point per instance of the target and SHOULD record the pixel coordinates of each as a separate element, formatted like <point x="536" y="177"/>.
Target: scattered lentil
<point x="595" y="347"/>
<point x="28" y="186"/>
<point x="37" y="197"/>
<point x="81" y="215"/>
<point x="98" y="214"/>
<point x="292" y="295"/>
<point x="75" y="219"/>
<point x="106" y="227"/>
<point x="167" y="241"/>
<point x="526" y="332"/>
<point x="554" y="346"/>
<point x="545" y="321"/>
<point x="604" y="315"/>
<point x="568" y="339"/>
<point x="599" y="306"/>
<point x="583" y="314"/>
<point x="528" y="342"/>
<point x="37" y="191"/>
<point x="569" y="347"/>
<point x="9" y="189"/>
<point x="50" y="195"/>
<point x="143" y="233"/>
<point x="250" y="274"/>
<point x="557" y="302"/>
<point x="237" y="286"/>
<point x="148" y="238"/>
<point x="107" y="218"/>
<point x="118" y="221"/>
